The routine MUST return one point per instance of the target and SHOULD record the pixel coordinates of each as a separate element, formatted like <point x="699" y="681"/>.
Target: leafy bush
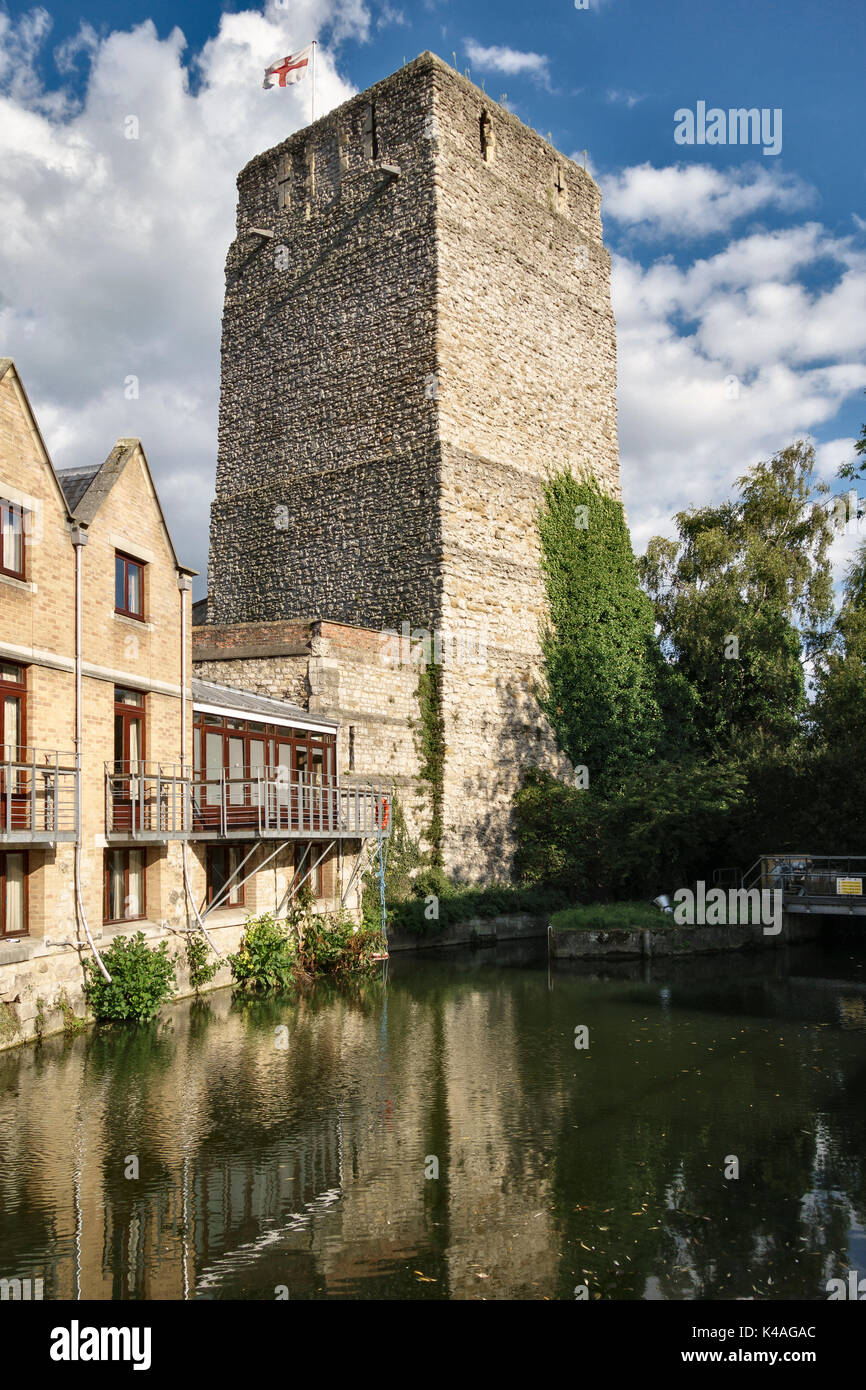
<point x="142" y="980"/>
<point x="267" y="956"/>
<point x="274" y="955"/>
<point x="200" y="972"/>
<point x="333" y="945"/>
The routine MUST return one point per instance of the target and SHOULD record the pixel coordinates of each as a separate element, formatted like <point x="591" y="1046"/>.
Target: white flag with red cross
<point x="288" y="70"/>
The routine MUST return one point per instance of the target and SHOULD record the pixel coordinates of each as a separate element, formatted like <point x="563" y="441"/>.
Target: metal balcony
<point x="833" y="885"/>
<point x="147" y="801"/>
<point x="38" y="802"/>
<point x="280" y="804"/>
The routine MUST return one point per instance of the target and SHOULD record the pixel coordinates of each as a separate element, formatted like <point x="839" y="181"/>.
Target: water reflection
<point x="302" y="1167"/>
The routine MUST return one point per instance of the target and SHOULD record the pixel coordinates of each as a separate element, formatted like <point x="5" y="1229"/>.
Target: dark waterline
<point x="283" y="1145"/>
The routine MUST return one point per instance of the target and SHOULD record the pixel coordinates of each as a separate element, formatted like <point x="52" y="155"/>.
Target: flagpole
<point x="313" y="84"/>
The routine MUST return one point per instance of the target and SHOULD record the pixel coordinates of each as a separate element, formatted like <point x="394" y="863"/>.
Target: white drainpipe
<point x="79" y="541"/>
<point x="184" y="584"/>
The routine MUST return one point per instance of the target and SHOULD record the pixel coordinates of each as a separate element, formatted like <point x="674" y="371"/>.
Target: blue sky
<point x="726" y="261"/>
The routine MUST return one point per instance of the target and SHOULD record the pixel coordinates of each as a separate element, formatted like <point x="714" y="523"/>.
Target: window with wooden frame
<point x="307" y="874"/>
<point x="128" y="586"/>
<point x="13" y="894"/>
<point x="244" y="747"/>
<point x="128" y="729"/>
<point x="124" y="899"/>
<point x="224" y="866"/>
<point x="12" y="548"/>
<point x="13" y="706"/>
<point x="317" y="877"/>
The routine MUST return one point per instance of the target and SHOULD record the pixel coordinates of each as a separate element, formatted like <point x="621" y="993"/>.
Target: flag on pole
<point x="288" y="70"/>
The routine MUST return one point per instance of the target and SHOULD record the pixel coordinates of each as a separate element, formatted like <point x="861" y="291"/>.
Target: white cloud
<point x="112" y="249"/>
<point x="796" y="356"/>
<point x="509" y="60"/>
<point x="629" y="99"/>
<point x="695" y="200"/>
<point x="389" y="15"/>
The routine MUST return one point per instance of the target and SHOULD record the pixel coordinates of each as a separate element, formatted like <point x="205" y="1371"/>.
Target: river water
<point x="441" y="1136"/>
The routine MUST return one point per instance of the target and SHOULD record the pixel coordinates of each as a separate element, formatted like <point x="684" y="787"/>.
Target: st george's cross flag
<point x="288" y="70"/>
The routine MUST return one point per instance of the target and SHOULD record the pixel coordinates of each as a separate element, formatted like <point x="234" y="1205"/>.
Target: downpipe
<point x="79" y="540"/>
<point x="184" y="584"/>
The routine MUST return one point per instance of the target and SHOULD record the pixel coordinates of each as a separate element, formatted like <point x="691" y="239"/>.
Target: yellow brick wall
<point x="37" y="628"/>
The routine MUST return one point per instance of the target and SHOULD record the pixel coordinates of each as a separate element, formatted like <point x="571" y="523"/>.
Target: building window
<point x="223" y="865"/>
<point x="13" y="894"/>
<point x="351" y="748"/>
<point x="319" y="878"/>
<point x="124" y="885"/>
<point x="128" y="729"/>
<point x="12" y="707"/>
<point x="128" y="586"/>
<point x="12" y="539"/>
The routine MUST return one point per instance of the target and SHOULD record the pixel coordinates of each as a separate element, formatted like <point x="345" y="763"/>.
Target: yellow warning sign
<point x="852" y="887"/>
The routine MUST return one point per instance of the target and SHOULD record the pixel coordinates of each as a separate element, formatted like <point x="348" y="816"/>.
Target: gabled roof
<point x="259" y="706"/>
<point x="75" y="482"/>
<point x="82" y="491"/>
<point x="7" y="364"/>
<point x="87" y="488"/>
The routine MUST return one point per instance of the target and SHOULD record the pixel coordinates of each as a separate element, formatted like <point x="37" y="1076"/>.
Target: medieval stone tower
<point x="425" y="335"/>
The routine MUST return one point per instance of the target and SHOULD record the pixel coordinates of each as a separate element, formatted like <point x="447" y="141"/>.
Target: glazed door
<point x="128" y="756"/>
<point x="14" y="801"/>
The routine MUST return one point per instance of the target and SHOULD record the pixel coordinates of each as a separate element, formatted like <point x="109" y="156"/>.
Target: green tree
<point x="839" y="716"/>
<point x="743" y="599"/>
<point x="857" y="467"/>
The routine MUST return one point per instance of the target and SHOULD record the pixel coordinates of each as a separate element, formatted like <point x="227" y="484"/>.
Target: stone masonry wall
<point x="326" y="488"/>
<point x="526" y="385"/>
<point x="393" y="399"/>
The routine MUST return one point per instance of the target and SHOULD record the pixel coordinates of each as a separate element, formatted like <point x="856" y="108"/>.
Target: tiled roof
<point x="75" y="482"/>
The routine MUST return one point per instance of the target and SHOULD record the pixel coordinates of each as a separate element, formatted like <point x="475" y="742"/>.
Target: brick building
<point x="132" y="796"/>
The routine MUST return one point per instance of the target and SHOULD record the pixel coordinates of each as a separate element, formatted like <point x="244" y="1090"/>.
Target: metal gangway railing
<point x="148" y="800"/>
<point x="280" y="801"/>
<point x="812" y="881"/>
<point x="38" y="801"/>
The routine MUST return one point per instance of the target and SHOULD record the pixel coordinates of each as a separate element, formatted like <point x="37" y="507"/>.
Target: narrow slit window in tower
<point x="371" y="134"/>
<point x="488" y="143"/>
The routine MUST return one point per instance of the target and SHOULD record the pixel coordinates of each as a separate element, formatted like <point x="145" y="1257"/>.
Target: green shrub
<point x="200" y="971"/>
<point x="332" y="944"/>
<point x="267" y="956"/>
<point x="142" y="980"/>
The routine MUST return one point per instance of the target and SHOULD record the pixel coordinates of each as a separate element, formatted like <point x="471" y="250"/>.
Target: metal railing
<point x="148" y="800"/>
<point x="38" y="802"/>
<point x="810" y="875"/>
<point x="278" y="802"/>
